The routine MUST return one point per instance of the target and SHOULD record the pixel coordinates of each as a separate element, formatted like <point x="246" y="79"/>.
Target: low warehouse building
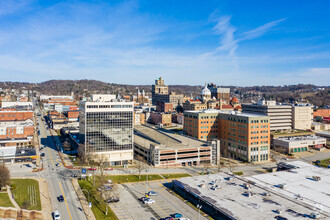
<point x="279" y="195"/>
<point x="299" y="143"/>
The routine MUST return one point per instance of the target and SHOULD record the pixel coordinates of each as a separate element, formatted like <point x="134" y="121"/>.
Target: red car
<point x="92" y="168"/>
<point x="109" y="168"/>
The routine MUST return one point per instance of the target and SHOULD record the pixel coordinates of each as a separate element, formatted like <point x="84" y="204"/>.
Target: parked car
<point x="168" y="218"/>
<point x="112" y="199"/>
<point x="92" y="168"/>
<point x="74" y="175"/>
<point x="177" y="215"/>
<point x="152" y="193"/>
<point x="60" y="198"/>
<point x="149" y="201"/>
<point x="143" y="198"/>
<point x="109" y="168"/>
<point x="56" y="215"/>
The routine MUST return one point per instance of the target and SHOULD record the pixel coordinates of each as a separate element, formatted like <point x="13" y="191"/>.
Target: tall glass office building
<point x="106" y="128"/>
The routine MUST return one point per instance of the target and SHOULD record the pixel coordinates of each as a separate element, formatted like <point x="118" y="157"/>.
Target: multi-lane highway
<point x="57" y="177"/>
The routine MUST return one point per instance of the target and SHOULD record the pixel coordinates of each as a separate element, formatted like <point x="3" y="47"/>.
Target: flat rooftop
<point x="232" y="197"/>
<point x="299" y="182"/>
<point x="146" y="135"/>
<point x="300" y="138"/>
<point x="244" y="114"/>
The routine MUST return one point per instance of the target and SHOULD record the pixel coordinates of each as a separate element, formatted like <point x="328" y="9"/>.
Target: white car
<point x="184" y="218"/>
<point x="148" y="201"/>
<point x="56" y="215"/>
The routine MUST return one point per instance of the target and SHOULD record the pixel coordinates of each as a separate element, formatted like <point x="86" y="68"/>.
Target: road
<point x="57" y="177"/>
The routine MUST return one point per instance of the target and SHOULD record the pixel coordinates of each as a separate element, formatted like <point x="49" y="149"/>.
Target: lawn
<point x="324" y="163"/>
<point x="132" y="178"/>
<point x="26" y="193"/>
<point x="5" y="201"/>
<point x="175" y="175"/>
<point x="98" y="207"/>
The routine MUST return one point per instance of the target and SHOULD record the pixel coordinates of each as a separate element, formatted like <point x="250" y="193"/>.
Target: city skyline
<point x="135" y="42"/>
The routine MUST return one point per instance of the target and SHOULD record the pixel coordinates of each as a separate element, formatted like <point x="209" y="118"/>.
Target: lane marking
<point x="43" y="128"/>
<point x="65" y="200"/>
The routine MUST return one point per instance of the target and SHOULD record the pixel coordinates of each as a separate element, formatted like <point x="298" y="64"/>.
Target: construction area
<point x="298" y="193"/>
<point x="160" y="148"/>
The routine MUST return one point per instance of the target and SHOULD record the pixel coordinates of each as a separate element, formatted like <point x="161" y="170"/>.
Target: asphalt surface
<point x="166" y="204"/>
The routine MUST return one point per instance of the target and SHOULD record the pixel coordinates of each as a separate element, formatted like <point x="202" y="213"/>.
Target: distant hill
<point x="287" y="93"/>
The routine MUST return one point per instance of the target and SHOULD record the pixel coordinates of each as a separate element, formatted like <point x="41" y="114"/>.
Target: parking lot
<point x="166" y="204"/>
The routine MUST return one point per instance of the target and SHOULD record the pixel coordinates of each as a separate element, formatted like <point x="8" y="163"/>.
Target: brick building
<point x="73" y="114"/>
<point x="12" y="115"/>
<point x="164" y="107"/>
<point x="159" y="118"/>
<point x="321" y="113"/>
<point x="243" y="136"/>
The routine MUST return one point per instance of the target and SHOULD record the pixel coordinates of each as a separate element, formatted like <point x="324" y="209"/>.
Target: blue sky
<point x="186" y="42"/>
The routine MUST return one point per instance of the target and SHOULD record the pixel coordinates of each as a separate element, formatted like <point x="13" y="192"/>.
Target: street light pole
<point x="147" y="180"/>
<point x="199" y="211"/>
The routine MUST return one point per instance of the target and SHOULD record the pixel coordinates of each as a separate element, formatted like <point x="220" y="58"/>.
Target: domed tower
<point x="205" y="93"/>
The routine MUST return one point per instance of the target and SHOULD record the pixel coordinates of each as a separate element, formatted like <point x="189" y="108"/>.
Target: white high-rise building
<point x="106" y="128"/>
<point x="280" y="115"/>
<point x="302" y="116"/>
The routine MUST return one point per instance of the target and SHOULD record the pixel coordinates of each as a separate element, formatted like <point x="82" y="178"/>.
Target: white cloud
<point x="259" y="31"/>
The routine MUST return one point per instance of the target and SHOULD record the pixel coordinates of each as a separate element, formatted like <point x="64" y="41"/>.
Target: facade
<point x="160" y="93"/>
<point x="164" y="107"/>
<point x="219" y="93"/>
<point x="299" y="144"/>
<point x="13" y="115"/>
<point x="243" y="136"/>
<point x="160" y="118"/>
<point x="139" y="118"/>
<point x="280" y="115"/>
<point x="106" y="129"/>
<point x="302" y="116"/>
<point x="16" y="133"/>
<point x="73" y="114"/>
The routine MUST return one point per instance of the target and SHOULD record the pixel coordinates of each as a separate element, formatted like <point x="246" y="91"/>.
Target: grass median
<point x="4" y="200"/>
<point x="98" y="206"/>
<point x="26" y="193"/>
<point x="143" y="177"/>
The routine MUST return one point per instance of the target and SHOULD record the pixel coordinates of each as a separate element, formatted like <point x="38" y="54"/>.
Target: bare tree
<point x="140" y="165"/>
<point x="231" y="164"/>
<point x="4" y="176"/>
<point x="219" y="165"/>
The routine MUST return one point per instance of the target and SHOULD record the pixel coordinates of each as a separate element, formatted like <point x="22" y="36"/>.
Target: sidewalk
<point x="83" y="201"/>
<point x="10" y="195"/>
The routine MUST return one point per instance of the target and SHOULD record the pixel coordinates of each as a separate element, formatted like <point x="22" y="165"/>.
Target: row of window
<point x="257" y="137"/>
<point x="257" y="132"/>
<point x="257" y="121"/>
<point x="261" y="126"/>
<point x="109" y="106"/>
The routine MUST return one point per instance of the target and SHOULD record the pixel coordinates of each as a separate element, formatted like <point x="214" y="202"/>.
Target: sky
<point x="239" y="43"/>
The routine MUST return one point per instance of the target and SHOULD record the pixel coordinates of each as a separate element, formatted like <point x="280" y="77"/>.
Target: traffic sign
<point x="83" y="170"/>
